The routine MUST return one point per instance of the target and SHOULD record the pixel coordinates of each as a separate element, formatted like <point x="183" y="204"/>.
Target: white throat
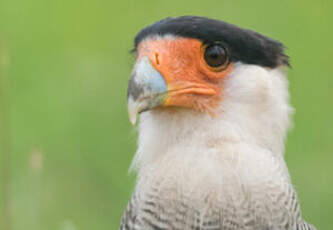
<point x="254" y="111"/>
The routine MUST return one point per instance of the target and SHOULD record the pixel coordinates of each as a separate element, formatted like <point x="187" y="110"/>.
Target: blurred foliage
<point x="70" y="139"/>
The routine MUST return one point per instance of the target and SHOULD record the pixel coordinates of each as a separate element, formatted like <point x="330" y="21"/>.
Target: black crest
<point x="243" y="45"/>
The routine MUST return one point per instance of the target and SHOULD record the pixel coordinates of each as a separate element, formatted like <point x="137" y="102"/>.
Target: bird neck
<point x="254" y="111"/>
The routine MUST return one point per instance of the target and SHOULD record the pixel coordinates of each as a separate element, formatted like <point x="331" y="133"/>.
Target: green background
<point x="64" y="71"/>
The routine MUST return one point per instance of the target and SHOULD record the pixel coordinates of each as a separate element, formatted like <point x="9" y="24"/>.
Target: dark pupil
<point x="215" y="55"/>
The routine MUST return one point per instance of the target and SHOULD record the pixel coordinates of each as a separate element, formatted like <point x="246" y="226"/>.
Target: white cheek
<point x="248" y="84"/>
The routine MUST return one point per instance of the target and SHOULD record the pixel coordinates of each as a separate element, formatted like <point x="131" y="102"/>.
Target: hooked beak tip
<point x="132" y="110"/>
<point x="132" y="118"/>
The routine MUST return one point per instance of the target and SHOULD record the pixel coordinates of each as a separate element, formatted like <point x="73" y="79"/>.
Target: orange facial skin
<point x="191" y="82"/>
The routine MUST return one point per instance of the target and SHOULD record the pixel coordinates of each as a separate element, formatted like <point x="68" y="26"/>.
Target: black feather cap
<point x="243" y="45"/>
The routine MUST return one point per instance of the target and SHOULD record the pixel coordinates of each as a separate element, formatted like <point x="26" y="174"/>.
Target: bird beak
<point x="146" y="89"/>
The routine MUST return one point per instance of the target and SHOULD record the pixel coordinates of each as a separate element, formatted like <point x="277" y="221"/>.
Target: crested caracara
<point x="215" y="111"/>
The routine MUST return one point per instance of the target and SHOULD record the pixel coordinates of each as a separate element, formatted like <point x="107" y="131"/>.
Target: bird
<point x="214" y="110"/>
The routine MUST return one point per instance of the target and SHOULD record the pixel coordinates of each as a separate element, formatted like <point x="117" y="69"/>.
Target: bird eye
<point x="216" y="56"/>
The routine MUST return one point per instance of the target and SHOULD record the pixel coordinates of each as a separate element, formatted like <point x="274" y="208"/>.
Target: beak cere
<point x="146" y="89"/>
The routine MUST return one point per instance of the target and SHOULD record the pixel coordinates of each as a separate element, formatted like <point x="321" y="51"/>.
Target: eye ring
<point x="216" y="56"/>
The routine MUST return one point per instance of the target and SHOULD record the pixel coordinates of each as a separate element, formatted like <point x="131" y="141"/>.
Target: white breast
<point x="217" y="161"/>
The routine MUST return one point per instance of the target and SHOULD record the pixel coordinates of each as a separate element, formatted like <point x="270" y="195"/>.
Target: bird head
<point x="183" y="62"/>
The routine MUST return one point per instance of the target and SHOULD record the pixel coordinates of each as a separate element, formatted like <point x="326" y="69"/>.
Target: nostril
<point x="157" y="59"/>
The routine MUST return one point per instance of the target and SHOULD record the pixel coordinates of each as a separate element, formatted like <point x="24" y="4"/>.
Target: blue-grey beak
<point x="146" y="89"/>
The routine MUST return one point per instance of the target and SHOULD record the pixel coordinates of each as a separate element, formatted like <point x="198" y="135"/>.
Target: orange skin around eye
<point x="191" y="82"/>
